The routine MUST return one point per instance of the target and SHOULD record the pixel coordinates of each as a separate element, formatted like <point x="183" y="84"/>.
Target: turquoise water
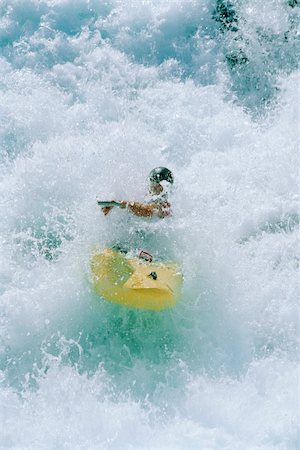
<point x="94" y="94"/>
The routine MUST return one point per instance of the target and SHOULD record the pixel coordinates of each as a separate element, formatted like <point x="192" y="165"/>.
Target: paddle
<point x="105" y="204"/>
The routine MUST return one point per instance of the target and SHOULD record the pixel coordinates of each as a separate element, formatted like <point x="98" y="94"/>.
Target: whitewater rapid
<point x="93" y="95"/>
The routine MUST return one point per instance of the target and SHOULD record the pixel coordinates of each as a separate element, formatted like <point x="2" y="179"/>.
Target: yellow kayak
<point x="134" y="282"/>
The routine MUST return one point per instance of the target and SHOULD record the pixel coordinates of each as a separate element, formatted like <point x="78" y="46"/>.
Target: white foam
<point x="82" y="118"/>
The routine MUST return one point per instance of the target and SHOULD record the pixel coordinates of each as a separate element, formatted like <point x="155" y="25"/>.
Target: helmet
<point x="161" y="174"/>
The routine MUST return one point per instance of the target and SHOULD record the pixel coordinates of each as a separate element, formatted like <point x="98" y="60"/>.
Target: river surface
<point x="93" y="95"/>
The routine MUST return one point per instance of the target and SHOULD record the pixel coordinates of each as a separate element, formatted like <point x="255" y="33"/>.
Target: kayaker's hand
<point x="106" y="209"/>
<point x="123" y="204"/>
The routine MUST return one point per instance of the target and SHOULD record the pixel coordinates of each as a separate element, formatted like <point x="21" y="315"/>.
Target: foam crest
<point x="93" y="96"/>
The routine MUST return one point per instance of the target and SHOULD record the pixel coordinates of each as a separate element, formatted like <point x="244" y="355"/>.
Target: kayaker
<point x="158" y="205"/>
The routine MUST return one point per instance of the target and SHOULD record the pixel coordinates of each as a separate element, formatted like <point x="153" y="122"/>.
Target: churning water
<point x="94" y="94"/>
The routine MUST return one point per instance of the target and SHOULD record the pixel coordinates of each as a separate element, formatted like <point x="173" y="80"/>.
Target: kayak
<point x="135" y="282"/>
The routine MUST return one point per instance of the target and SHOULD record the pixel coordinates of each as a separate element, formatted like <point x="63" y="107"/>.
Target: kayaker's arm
<point x="147" y="209"/>
<point x="142" y="209"/>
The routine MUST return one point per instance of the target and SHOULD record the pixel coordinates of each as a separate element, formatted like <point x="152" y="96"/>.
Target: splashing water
<point x="93" y="96"/>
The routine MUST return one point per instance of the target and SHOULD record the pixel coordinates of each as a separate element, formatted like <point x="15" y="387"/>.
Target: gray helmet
<point x="161" y="174"/>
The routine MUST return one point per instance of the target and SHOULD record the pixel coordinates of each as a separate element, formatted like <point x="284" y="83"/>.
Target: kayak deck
<point x="134" y="282"/>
